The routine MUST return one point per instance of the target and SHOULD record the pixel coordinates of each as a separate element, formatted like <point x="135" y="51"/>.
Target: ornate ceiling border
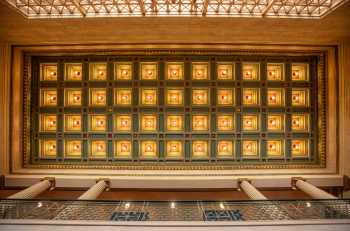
<point x="27" y="52"/>
<point x="27" y="78"/>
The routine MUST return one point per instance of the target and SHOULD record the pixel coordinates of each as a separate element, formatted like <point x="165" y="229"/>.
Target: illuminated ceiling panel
<point x="225" y="8"/>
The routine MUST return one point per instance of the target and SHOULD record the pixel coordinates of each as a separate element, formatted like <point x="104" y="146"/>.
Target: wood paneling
<point x="4" y="108"/>
<point x="61" y="194"/>
<point x="130" y="195"/>
<point x="174" y="195"/>
<point x="198" y="195"/>
<point x="7" y="192"/>
<point x="344" y="108"/>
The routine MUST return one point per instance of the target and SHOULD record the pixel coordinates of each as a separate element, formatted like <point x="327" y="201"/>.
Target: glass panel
<point x="249" y="9"/>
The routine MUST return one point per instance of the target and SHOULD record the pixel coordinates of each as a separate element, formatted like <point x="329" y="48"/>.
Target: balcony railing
<point x="175" y="210"/>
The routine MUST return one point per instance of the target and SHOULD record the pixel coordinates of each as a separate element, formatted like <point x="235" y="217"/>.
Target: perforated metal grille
<point x="176" y="211"/>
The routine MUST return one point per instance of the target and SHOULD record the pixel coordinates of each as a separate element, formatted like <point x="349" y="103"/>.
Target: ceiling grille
<point x="210" y="8"/>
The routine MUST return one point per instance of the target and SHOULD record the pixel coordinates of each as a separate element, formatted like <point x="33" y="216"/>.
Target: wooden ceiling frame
<point x="17" y="75"/>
